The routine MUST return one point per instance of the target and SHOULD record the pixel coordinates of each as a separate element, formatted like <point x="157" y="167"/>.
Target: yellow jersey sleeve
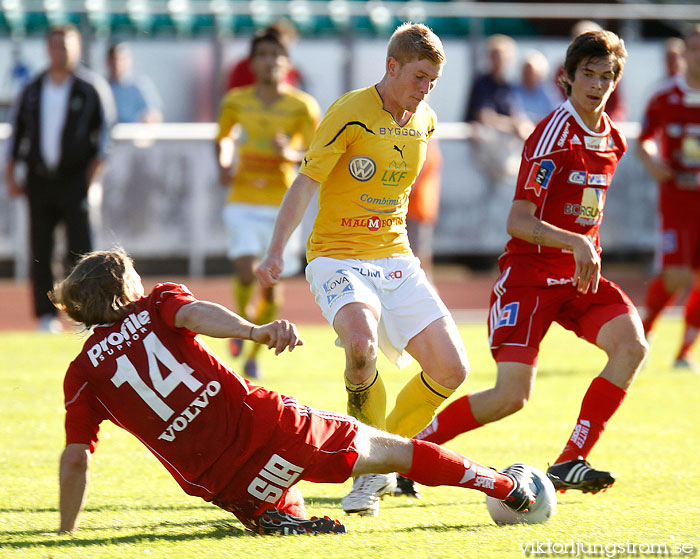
<point x="365" y="164"/>
<point x="262" y="175"/>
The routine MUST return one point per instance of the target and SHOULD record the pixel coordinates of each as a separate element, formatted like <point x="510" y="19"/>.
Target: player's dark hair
<point x="100" y="289"/>
<point x="268" y="35"/>
<point x="593" y="45"/>
<point x="415" y="41"/>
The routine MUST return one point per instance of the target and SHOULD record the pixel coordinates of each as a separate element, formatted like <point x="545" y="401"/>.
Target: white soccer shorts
<point x="395" y="288"/>
<point x="249" y="228"/>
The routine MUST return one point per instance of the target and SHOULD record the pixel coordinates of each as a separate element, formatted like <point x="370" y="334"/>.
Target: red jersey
<point x="163" y="385"/>
<point x="565" y="170"/>
<point x="672" y="118"/>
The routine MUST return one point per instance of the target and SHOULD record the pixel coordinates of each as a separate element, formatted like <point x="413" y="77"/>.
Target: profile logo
<point x="362" y="168"/>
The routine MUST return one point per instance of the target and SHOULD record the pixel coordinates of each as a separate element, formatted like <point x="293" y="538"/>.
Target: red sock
<point x="599" y="404"/>
<point x="692" y="322"/>
<point x="656" y="299"/>
<point x="455" y="419"/>
<point x="434" y="465"/>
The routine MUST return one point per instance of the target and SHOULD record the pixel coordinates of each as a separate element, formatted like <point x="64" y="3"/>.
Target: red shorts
<point x="520" y="316"/>
<point x="307" y="444"/>
<point x="680" y="242"/>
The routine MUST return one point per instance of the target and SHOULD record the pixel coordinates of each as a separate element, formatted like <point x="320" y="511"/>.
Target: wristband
<point x="250" y="335"/>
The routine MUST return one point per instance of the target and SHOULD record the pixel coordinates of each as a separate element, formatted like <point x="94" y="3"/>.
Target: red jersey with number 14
<point x="565" y="170"/>
<point x="163" y="385"/>
<point x="672" y="118"/>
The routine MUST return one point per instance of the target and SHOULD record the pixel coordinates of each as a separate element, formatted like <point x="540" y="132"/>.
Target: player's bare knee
<point x="360" y="351"/>
<point x="456" y="375"/>
<point x="633" y="352"/>
<point x="512" y="399"/>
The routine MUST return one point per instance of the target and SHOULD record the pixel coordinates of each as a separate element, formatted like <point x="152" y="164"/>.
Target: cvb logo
<point x="362" y="168"/>
<point x="131" y="329"/>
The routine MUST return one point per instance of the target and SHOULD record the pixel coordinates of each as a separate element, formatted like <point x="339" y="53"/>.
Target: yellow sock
<point x="242" y="294"/>
<point x="267" y="312"/>
<point x="367" y="401"/>
<point x="415" y="405"/>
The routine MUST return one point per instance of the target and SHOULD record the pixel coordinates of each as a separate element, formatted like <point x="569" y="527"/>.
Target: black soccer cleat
<point x="406" y="487"/>
<point x="578" y="474"/>
<point x="521" y="496"/>
<point x="276" y="522"/>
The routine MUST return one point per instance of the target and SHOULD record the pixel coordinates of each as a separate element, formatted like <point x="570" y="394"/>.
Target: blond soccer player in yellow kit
<point x="275" y="123"/>
<point x="363" y="160"/>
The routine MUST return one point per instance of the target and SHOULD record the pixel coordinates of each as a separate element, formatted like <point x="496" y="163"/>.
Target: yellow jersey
<point x="365" y="164"/>
<point x="262" y="175"/>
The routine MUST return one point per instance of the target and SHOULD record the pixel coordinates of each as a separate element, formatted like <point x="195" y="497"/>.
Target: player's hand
<point x="281" y="144"/>
<point x="278" y="335"/>
<point x="587" y="273"/>
<point x="269" y="270"/>
<point x="660" y="170"/>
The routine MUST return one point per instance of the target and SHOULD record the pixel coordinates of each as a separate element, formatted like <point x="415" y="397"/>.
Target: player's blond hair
<point x="415" y="41"/>
<point x="100" y="289"/>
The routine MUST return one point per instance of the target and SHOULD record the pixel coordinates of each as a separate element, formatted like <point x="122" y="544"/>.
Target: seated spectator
<point x="499" y="125"/>
<point x="136" y="98"/>
<point x="536" y="94"/>
<point x="492" y="100"/>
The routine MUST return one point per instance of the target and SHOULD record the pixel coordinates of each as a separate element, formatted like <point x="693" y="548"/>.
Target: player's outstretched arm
<point x="73" y="477"/>
<point x="289" y="217"/>
<point x="648" y="154"/>
<point x="523" y="224"/>
<point x="212" y="319"/>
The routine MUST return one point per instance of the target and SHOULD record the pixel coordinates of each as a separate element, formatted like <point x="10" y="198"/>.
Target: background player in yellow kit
<point x="364" y="158"/>
<point x="275" y="123"/>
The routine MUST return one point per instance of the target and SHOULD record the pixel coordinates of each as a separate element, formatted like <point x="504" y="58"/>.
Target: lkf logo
<point x="598" y="143"/>
<point x="540" y="175"/>
<point x="362" y="168"/>
<point x="394" y="174"/>
<point x="577" y="177"/>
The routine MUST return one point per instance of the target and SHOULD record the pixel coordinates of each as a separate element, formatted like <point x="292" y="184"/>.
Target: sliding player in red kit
<point x="551" y="269"/>
<point x="230" y="442"/>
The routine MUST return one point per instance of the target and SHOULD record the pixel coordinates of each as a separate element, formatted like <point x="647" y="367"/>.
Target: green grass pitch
<point x="134" y="508"/>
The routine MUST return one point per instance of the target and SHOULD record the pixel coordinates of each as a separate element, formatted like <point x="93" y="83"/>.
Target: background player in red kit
<point x="223" y="439"/>
<point x="550" y="270"/>
<point x="669" y="147"/>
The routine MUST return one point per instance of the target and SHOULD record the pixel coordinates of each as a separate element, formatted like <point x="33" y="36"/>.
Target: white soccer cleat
<point x="366" y="492"/>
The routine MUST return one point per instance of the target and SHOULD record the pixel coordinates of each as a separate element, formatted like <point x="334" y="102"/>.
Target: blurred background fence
<point x="159" y="197"/>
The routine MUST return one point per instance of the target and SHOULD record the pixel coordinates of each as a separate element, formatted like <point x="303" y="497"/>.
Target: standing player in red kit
<point x="669" y="147"/>
<point x="551" y="270"/>
<point x="223" y="439"/>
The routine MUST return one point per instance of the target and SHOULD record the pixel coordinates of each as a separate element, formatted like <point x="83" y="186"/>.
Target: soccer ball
<point x="542" y="509"/>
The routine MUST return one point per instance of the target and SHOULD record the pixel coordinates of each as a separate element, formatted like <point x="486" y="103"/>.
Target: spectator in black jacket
<point x="60" y="132"/>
